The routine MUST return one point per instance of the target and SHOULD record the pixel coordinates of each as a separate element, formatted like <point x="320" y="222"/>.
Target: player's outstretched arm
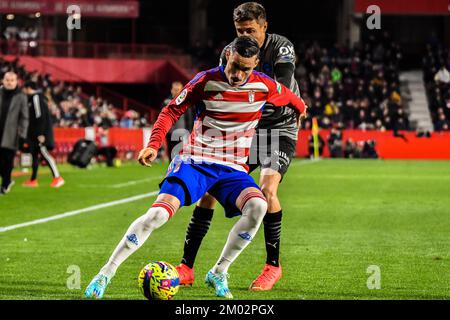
<point x="280" y="95"/>
<point x="170" y="114"/>
<point x="147" y="156"/>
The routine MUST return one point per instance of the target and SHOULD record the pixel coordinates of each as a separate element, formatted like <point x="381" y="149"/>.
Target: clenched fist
<point x="146" y="156"/>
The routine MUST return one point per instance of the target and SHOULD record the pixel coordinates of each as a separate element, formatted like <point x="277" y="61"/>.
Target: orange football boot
<point x="57" y="182"/>
<point x="186" y="274"/>
<point x="31" y="183"/>
<point x="266" y="280"/>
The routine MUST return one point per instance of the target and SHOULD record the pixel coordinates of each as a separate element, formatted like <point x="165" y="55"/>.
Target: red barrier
<point x="387" y="146"/>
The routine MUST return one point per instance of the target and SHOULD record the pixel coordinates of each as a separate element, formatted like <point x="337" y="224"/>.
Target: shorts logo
<point x="181" y="97"/>
<point x="246" y="236"/>
<point x="251" y="96"/>
<point x="177" y="167"/>
<point x="133" y="239"/>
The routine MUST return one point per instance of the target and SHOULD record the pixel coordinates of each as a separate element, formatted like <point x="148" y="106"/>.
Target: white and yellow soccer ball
<point x="159" y="280"/>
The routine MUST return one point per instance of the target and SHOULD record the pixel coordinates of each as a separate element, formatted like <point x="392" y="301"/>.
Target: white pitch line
<point x="305" y="162"/>
<point x="79" y="211"/>
<point x="131" y="183"/>
<point x="120" y="185"/>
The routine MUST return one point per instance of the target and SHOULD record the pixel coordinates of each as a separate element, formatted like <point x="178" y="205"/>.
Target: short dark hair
<point x="30" y="84"/>
<point x="245" y="46"/>
<point x="249" y="11"/>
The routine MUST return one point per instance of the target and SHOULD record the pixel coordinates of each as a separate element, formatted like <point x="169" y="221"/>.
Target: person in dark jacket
<point x="40" y="137"/>
<point x="13" y="126"/>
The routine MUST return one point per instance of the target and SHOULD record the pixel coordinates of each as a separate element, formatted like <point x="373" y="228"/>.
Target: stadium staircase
<point x="412" y="90"/>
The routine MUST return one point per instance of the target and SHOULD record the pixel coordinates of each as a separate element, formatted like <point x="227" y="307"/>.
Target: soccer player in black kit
<point x="273" y="148"/>
<point x="40" y="136"/>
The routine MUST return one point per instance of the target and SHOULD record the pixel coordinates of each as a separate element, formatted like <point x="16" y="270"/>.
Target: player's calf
<point x="253" y="207"/>
<point x="134" y="238"/>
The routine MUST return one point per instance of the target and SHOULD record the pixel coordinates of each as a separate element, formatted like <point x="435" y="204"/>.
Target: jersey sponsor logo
<point x="251" y="96"/>
<point x="181" y="97"/>
<point x="288" y="50"/>
<point x="177" y="167"/>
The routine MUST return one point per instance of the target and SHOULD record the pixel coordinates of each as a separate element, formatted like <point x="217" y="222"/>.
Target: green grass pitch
<point x="339" y="218"/>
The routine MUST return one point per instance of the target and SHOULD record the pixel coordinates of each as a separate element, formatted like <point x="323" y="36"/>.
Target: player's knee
<point x="207" y="201"/>
<point x="155" y="218"/>
<point x="255" y="209"/>
<point x="269" y="191"/>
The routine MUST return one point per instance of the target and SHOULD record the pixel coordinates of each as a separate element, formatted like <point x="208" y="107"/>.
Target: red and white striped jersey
<point x="226" y="115"/>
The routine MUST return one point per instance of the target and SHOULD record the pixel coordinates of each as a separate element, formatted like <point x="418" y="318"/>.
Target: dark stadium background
<point x="303" y="22"/>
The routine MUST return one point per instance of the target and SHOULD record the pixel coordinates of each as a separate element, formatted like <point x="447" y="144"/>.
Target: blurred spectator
<point x="369" y="151"/>
<point x="181" y="129"/>
<point x="104" y="148"/>
<point x="436" y="65"/>
<point x="335" y="143"/>
<point x="350" y="149"/>
<point x="14" y="123"/>
<point x="442" y="76"/>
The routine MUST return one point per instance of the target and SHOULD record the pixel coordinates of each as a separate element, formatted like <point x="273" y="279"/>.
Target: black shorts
<point x="271" y="151"/>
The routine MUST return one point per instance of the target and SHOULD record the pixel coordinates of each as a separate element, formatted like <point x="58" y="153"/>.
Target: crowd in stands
<point x="346" y="88"/>
<point x="436" y="75"/>
<point x="22" y="40"/>
<point x="70" y="107"/>
<point x="353" y="88"/>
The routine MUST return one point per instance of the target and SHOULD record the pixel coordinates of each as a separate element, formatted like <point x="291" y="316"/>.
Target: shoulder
<point x="262" y="77"/>
<point x="204" y="76"/>
<point x="279" y="40"/>
<point x="22" y="96"/>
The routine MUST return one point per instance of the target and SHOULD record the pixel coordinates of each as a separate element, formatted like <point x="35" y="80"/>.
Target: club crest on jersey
<point x="181" y="97"/>
<point x="251" y="96"/>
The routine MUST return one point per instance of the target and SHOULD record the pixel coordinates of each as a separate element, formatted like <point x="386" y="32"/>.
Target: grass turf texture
<point x="340" y="217"/>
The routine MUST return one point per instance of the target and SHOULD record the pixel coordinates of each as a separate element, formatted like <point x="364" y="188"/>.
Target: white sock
<point x="134" y="238"/>
<point x="242" y="233"/>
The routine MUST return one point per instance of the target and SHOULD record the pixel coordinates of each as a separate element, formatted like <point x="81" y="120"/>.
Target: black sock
<point x="197" y="229"/>
<point x="272" y="233"/>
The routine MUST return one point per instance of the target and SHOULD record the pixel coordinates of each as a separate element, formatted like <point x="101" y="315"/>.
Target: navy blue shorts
<point x="222" y="182"/>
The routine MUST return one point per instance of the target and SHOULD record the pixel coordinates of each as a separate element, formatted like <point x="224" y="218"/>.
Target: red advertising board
<point x="402" y="7"/>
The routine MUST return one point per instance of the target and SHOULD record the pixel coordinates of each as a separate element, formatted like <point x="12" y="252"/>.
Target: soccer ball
<point x="159" y="280"/>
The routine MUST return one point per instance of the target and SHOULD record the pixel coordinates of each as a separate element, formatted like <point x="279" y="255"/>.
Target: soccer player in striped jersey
<point x="229" y="102"/>
<point x="273" y="148"/>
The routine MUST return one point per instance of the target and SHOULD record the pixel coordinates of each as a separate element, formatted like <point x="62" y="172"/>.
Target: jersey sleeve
<point x="40" y="114"/>
<point x="189" y="96"/>
<point x="284" y="52"/>
<point x="279" y="96"/>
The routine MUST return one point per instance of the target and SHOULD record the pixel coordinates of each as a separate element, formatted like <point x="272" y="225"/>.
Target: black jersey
<point x="275" y="51"/>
